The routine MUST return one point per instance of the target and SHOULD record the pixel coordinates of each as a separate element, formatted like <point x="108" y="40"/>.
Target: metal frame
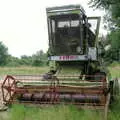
<point x="97" y="27"/>
<point x="54" y="90"/>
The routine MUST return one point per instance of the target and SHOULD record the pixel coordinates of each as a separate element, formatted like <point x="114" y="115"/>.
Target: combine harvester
<point x="76" y="74"/>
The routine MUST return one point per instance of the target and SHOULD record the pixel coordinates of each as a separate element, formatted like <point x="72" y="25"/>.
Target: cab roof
<point x="65" y="8"/>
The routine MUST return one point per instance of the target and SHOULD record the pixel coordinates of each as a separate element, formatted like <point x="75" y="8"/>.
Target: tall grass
<point x="23" y="70"/>
<point x="114" y="113"/>
<point x="61" y="112"/>
<point x="115" y="70"/>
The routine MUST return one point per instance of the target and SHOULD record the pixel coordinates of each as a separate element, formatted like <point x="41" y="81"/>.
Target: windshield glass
<point x="65" y="33"/>
<point x="70" y="23"/>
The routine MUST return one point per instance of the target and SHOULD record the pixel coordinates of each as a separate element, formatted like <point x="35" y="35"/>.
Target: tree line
<point x="37" y="59"/>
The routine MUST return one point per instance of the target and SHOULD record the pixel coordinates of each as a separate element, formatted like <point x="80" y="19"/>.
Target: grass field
<point x="23" y="70"/>
<point x="115" y="71"/>
<point x="60" y="112"/>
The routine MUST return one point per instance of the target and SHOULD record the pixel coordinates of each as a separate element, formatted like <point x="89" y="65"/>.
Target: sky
<point x="23" y="24"/>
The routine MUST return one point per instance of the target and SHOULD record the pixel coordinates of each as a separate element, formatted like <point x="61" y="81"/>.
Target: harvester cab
<point x="70" y="32"/>
<point x="73" y="38"/>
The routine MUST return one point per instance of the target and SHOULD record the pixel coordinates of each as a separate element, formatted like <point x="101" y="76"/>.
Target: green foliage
<point x="12" y="61"/>
<point x="37" y="59"/>
<point x="103" y="3"/>
<point x="26" y="60"/>
<point x="113" y="8"/>
<point x="113" y="21"/>
<point x="3" y="54"/>
<point x="113" y="39"/>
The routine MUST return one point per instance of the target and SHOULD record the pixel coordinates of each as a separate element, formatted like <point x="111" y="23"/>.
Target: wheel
<point x="8" y="88"/>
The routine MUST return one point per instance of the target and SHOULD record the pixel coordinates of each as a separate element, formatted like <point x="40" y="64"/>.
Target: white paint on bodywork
<point x="92" y="53"/>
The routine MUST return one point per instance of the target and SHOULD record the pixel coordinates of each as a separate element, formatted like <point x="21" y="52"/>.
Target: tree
<point x="113" y="19"/>
<point x="3" y="54"/>
<point x="13" y="61"/>
<point x="114" y="40"/>
<point x="113" y="8"/>
<point x="103" y="3"/>
<point x="26" y="60"/>
<point x="40" y="58"/>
